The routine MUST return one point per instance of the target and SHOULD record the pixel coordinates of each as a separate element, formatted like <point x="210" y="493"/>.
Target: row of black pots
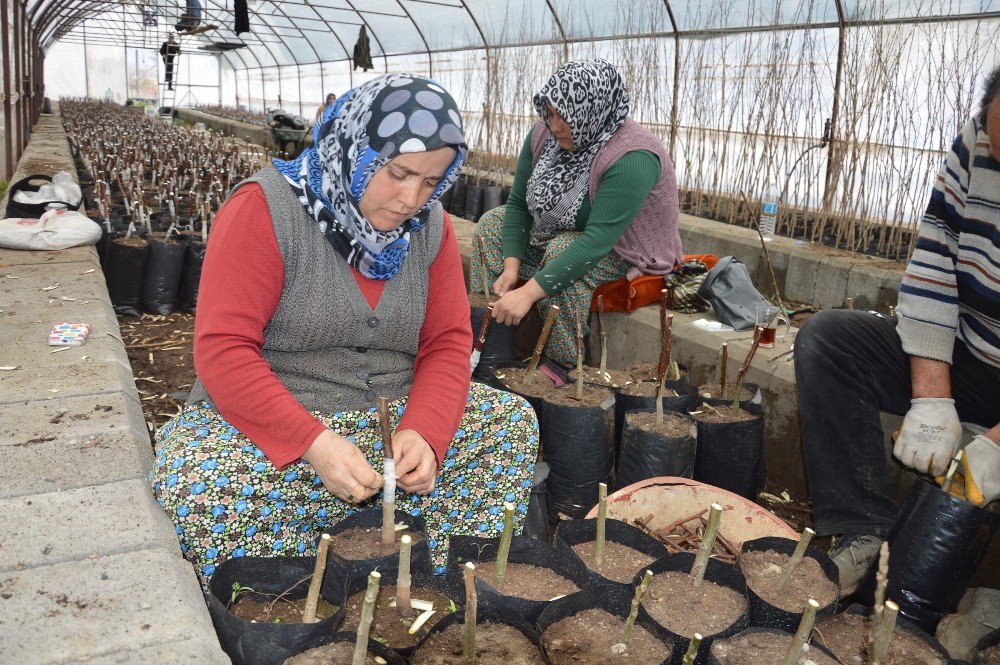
<point x="469" y="200"/>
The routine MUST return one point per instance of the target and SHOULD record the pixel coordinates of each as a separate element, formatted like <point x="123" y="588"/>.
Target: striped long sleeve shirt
<point x="951" y="289"/>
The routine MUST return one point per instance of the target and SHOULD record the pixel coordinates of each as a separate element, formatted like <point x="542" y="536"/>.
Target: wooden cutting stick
<point x="546" y="329"/>
<point x="385" y="423"/>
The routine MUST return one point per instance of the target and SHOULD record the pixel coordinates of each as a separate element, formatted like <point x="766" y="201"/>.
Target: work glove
<point x="930" y="435"/>
<point x="978" y="481"/>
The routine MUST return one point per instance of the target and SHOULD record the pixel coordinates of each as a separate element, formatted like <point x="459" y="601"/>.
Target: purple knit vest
<point x="652" y="243"/>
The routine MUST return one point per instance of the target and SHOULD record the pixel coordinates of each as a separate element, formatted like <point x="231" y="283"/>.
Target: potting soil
<point x="989" y="656"/>
<point x="335" y="652"/>
<point x="713" y="390"/>
<point x="725" y="415"/>
<point x="495" y="643"/>
<point x="612" y="378"/>
<point x="513" y="377"/>
<point x="645" y="389"/>
<point x="620" y="564"/>
<point x="762" y="570"/>
<point x="593" y="396"/>
<point x="647" y="371"/>
<point x="523" y="580"/>
<point x="846" y="636"/>
<point x="674" y="425"/>
<point x="358" y="544"/>
<point x="763" y="648"/>
<point x="278" y="610"/>
<point x="587" y="637"/>
<point x="388" y="625"/>
<point x="684" y="609"/>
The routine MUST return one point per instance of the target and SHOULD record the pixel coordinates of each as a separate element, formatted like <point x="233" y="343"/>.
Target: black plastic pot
<point x="536" y="521"/>
<point x="616" y="600"/>
<point x="731" y="455"/>
<point x="578" y="442"/>
<point x="458" y="193"/>
<point x="270" y="643"/>
<point x="489" y="615"/>
<point x="420" y="561"/>
<point x="187" y="292"/>
<point x="713" y="660"/>
<point x="625" y="402"/>
<point x="499" y="346"/>
<point x="163" y="275"/>
<point x="446" y="197"/>
<point x="125" y="266"/>
<point x="901" y="624"/>
<point x="522" y="550"/>
<point x="935" y="547"/>
<point x="763" y="613"/>
<point x="757" y="399"/>
<point x="504" y="195"/>
<point x="473" y="202"/>
<point x="717" y="572"/>
<point x="358" y="584"/>
<point x="574" y="532"/>
<point x="491" y="197"/>
<point x="647" y="454"/>
<point x="989" y="640"/>
<point x="374" y="648"/>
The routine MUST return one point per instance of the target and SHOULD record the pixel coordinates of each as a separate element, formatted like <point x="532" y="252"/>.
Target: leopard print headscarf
<point x="592" y="98"/>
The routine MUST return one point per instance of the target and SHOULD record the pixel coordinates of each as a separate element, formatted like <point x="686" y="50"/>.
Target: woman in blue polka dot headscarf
<point x="329" y="281"/>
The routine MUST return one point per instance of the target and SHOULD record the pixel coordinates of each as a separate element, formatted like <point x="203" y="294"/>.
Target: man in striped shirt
<point x="939" y="365"/>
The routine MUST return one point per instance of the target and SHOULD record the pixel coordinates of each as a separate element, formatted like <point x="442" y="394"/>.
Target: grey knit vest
<point x="328" y="347"/>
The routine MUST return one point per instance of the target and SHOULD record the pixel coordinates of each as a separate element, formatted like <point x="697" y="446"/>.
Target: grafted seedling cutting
<point x="367" y="613"/>
<point x="482" y="267"/>
<point x="312" y="598"/>
<point x="579" y="356"/>
<point x="403" y="577"/>
<point x="692" y="652"/>
<point x="724" y="368"/>
<point x="884" y="612"/>
<point x="707" y="543"/>
<point x="802" y="634"/>
<point x="388" y="475"/>
<point x="601" y="525"/>
<point x="505" y="539"/>
<point x="758" y="332"/>
<point x="603" y="336"/>
<point x="471" y="607"/>
<point x="667" y="321"/>
<point x="800" y="551"/>
<point x="633" y="614"/>
<point x="540" y="347"/>
<point x="480" y="341"/>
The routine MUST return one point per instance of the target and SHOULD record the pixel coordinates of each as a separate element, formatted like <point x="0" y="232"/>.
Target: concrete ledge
<point x="90" y="567"/>
<point x="258" y="134"/>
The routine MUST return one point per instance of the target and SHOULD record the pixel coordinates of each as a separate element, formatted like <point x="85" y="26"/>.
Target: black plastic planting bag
<point x="499" y="346"/>
<point x="458" y="193"/>
<point x="489" y="615"/>
<point x="163" y="275"/>
<point x="712" y="660"/>
<point x="989" y="640"/>
<point x="249" y="643"/>
<point x="615" y="600"/>
<point x="901" y="625"/>
<point x="126" y="264"/>
<point x="536" y="522"/>
<point x="935" y="547"/>
<point x="578" y="442"/>
<point x="717" y="572"/>
<point x="473" y="203"/>
<point x="491" y="197"/>
<point x="374" y="648"/>
<point x="731" y="291"/>
<point x="446" y="198"/>
<point x="731" y="455"/>
<point x="522" y="550"/>
<point x="625" y="402"/>
<point x="371" y="518"/>
<point x="574" y="532"/>
<point x="187" y="292"/>
<point x="763" y="613"/>
<point x="647" y="454"/>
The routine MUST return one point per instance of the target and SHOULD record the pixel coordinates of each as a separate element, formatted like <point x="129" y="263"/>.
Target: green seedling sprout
<point x="508" y="534"/>
<point x="602" y="518"/>
<point x="471" y="605"/>
<point x="757" y="333"/>
<point x="603" y="336"/>
<point x="312" y="598"/>
<point x="388" y="475"/>
<point x="579" y="356"/>
<point x="403" y="601"/>
<point x="692" y="651"/>
<point x="802" y="634"/>
<point x="238" y="590"/>
<point x="707" y="543"/>
<point x="633" y="613"/>
<point x="530" y="374"/>
<point x="800" y="551"/>
<point x="367" y="612"/>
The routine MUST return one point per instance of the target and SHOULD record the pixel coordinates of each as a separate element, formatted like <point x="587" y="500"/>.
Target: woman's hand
<point x="342" y="467"/>
<point x="514" y="305"/>
<point x="508" y="278"/>
<point x="416" y="465"/>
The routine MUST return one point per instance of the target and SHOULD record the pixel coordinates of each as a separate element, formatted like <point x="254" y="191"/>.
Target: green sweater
<point x="621" y="193"/>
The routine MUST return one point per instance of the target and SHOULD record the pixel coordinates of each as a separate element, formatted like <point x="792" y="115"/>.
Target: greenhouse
<point x="642" y="331"/>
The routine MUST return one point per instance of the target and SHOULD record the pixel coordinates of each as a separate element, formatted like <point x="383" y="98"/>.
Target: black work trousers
<point x="849" y="366"/>
<point x="169" y="77"/>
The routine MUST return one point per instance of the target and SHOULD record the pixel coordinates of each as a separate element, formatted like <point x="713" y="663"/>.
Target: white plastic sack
<point x="62" y="188"/>
<point x="57" y="229"/>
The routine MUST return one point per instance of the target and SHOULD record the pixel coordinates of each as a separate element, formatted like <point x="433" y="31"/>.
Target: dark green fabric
<point x="363" y="51"/>
<point x="622" y="191"/>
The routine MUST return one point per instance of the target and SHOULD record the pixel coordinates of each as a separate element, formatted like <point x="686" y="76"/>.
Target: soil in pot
<point x="587" y="638"/>
<point x="762" y="648"/>
<point x="713" y="390"/>
<point x="522" y="580"/>
<point x="593" y="396"/>
<point x="645" y="389"/>
<point x="388" y="626"/>
<point x="278" y="610"/>
<point x="513" y="377"/>
<point x="675" y="603"/>
<point x="335" y="652"/>
<point x="762" y="570"/>
<point x="647" y="371"/>
<point x="495" y="643"/>
<point x="989" y="656"/>
<point x="673" y="426"/>
<point x="620" y="564"/>
<point x="846" y="636"/>
<point x="361" y="543"/>
<point x="725" y="415"/>
<point x="612" y="378"/>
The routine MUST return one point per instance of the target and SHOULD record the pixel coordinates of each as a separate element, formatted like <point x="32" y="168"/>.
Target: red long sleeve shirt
<point x="241" y="284"/>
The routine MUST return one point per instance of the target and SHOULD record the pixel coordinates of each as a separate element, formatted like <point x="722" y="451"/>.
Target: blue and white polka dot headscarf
<point x="358" y="135"/>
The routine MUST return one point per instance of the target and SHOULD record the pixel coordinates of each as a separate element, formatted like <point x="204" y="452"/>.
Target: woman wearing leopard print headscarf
<point x="594" y="200"/>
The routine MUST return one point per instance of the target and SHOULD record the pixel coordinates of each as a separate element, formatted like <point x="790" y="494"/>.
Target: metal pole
<point x="86" y="65"/>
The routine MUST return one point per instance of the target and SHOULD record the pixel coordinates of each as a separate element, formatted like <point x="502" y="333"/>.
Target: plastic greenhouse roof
<point x="300" y="32"/>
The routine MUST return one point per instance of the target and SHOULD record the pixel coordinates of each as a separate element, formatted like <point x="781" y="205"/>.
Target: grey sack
<point x="732" y="294"/>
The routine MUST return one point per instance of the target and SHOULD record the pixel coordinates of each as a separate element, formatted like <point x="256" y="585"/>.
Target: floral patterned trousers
<point x="227" y="500"/>
<point x="561" y="345"/>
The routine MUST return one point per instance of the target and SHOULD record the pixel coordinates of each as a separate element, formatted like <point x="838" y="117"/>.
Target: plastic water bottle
<point x="769" y="215"/>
